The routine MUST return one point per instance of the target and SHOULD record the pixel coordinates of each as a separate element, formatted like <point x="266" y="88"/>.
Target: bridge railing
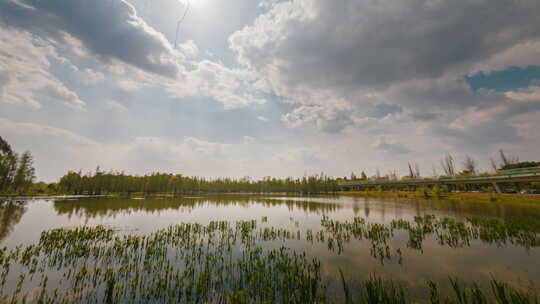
<point x="446" y="180"/>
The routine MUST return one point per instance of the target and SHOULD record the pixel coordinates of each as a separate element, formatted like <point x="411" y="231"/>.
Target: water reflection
<point x="98" y="207"/>
<point x="387" y="209"/>
<point x="11" y="213"/>
<point x="396" y="207"/>
<point x="402" y="239"/>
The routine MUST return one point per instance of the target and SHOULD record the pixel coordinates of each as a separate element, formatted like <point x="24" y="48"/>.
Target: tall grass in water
<point x="378" y="291"/>
<point x="225" y="262"/>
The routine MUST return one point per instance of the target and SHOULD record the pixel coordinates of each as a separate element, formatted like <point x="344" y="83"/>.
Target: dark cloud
<point x="376" y="132"/>
<point x="329" y="44"/>
<point x="109" y="29"/>
<point x="383" y="109"/>
<point x="425" y="116"/>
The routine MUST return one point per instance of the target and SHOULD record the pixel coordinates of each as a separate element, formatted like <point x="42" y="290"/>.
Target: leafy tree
<point x="101" y="182"/>
<point x="25" y="173"/>
<point x="8" y="165"/>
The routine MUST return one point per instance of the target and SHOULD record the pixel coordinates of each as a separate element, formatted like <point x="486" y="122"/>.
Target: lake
<point x="406" y="241"/>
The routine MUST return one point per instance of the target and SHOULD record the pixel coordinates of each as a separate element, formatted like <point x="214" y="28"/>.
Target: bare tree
<point x="414" y="172"/>
<point x="411" y="172"/>
<point x="435" y="173"/>
<point x="393" y="175"/>
<point x="494" y="165"/>
<point x="470" y="165"/>
<point x="447" y="164"/>
<point x="508" y="160"/>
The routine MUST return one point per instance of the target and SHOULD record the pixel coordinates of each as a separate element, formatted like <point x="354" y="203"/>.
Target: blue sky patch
<point x="510" y="79"/>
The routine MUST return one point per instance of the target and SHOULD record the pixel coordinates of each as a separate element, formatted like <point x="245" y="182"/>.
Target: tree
<point x="493" y="165"/>
<point x="414" y="172"/>
<point x="469" y="165"/>
<point x="25" y="173"/>
<point x="364" y="176"/>
<point x="507" y="161"/>
<point x="447" y="164"/>
<point x="8" y="165"/>
<point x="434" y="171"/>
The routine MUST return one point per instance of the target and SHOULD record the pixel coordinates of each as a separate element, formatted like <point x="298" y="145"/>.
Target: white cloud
<point x="231" y="87"/>
<point x="127" y="38"/>
<point x="25" y="75"/>
<point x="321" y="55"/>
<point x="390" y="146"/>
<point x="531" y="93"/>
<point x="520" y="55"/>
<point x="327" y="119"/>
<point x="189" y="48"/>
<point x="92" y="77"/>
<point x="248" y="140"/>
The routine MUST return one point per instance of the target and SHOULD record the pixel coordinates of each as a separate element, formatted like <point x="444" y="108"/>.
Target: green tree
<point x="25" y="173"/>
<point x="8" y="165"/>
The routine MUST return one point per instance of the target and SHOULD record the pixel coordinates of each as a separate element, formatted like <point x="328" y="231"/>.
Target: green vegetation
<point x="509" y="165"/>
<point x="240" y="262"/>
<point x="378" y="291"/>
<point x="17" y="178"/>
<point x="463" y="197"/>
<point x="104" y="183"/>
<point x="16" y="172"/>
<point x="447" y="232"/>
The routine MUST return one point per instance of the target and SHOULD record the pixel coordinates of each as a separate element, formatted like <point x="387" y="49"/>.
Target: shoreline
<point x="461" y="196"/>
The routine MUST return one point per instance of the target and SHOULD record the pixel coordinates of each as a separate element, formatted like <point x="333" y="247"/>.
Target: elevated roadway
<point x="494" y="180"/>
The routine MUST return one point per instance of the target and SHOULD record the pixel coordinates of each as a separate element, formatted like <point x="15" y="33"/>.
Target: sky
<point x="268" y="88"/>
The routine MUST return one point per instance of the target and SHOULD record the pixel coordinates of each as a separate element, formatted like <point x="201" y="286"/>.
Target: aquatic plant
<point x="239" y="262"/>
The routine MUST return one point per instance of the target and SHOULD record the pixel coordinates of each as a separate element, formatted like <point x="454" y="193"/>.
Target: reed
<point x="231" y="262"/>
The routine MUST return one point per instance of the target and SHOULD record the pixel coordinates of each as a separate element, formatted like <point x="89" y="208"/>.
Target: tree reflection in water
<point x="11" y="213"/>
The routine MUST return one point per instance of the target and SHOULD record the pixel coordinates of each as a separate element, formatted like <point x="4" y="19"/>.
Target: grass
<point x="240" y="262"/>
<point x="464" y="197"/>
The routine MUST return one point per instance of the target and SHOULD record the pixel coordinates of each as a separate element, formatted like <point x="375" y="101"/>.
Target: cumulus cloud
<point x="413" y="54"/>
<point x="111" y="30"/>
<point x="529" y="94"/>
<point x="231" y="87"/>
<point x="390" y="146"/>
<point x="520" y="55"/>
<point x="351" y="77"/>
<point x="350" y="43"/>
<point x="24" y="72"/>
<point x="189" y="48"/>
<point x="331" y="120"/>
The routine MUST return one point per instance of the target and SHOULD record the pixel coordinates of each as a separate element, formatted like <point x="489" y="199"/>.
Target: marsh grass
<point x="240" y="262"/>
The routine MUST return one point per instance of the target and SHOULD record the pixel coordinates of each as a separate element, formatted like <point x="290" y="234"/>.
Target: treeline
<point x="101" y="182"/>
<point x="17" y="173"/>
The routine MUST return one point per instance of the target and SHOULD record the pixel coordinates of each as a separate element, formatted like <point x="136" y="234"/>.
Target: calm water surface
<point x="518" y="264"/>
